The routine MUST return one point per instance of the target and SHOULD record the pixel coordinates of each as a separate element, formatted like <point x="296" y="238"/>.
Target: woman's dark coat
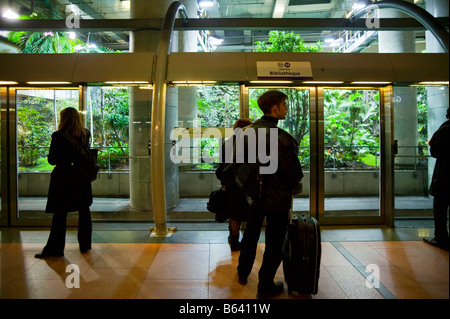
<point x="440" y="149"/>
<point x="236" y="200"/>
<point x="65" y="195"/>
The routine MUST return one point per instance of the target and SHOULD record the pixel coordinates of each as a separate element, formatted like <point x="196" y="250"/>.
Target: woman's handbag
<point x="217" y="204"/>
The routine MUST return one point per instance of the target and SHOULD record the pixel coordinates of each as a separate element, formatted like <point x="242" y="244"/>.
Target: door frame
<point x="317" y="170"/>
<point x="12" y="172"/>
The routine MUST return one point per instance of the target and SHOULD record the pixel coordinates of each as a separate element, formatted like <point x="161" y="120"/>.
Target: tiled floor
<point x="197" y="264"/>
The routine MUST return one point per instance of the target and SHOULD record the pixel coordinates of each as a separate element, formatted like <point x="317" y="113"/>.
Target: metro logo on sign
<point x="283" y="70"/>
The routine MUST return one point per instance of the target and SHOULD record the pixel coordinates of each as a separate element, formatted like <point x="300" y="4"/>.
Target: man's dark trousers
<point x="441" y="203"/>
<point x="277" y="222"/>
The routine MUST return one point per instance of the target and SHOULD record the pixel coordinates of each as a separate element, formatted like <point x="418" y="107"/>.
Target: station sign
<point x="284" y="70"/>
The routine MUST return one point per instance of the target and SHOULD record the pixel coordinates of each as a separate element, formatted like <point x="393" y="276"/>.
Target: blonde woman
<point x="65" y="193"/>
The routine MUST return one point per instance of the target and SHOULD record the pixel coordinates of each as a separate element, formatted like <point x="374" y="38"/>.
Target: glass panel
<point x="37" y="118"/>
<point x="352" y="150"/>
<point x="207" y="114"/>
<point x="3" y="218"/>
<point x="108" y="120"/>
<point x="296" y="123"/>
<point x="418" y="113"/>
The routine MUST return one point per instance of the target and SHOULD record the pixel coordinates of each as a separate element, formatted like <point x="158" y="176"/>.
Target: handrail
<point x="158" y="119"/>
<point x="423" y="16"/>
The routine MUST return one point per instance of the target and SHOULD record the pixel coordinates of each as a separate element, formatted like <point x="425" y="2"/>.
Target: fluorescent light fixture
<point x="205" y="3"/>
<point x="433" y="83"/>
<point x="215" y="41"/>
<point x="9" y="14"/>
<point x="146" y="87"/>
<point x="193" y="82"/>
<point x="359" y="5"/>
<point x="278" y="12"/>
<point x="127" y="82"/>
<point x="323" y="82"/>
<point x="369" y="82"/>
<point x="48" y="82"/>
<point x="270" y="82"/>
<point x="8" y="83"/>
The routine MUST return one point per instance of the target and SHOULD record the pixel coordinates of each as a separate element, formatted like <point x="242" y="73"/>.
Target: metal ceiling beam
<point x="387" y="24"/>
<point x="95" y="14"/>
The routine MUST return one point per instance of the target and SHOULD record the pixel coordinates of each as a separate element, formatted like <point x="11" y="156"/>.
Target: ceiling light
<point x="433" y="83"/>
<point x="360" y="4"/>
<point x="205" y="3"/>
<point x="323" y="82"/>
<point x="270" y="82"/>
<point x="215" y="41"/>
<point x="9" y="14"/>
<point x="193" y="83"/>
<point x="369" y="82"/>
<point x="127" y="82"/>
<point x="47" y="82"/>
<point x="8" y="83"/>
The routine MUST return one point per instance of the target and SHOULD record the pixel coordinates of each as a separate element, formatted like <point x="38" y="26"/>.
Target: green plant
<point x="44" y="42"/>
<point x="283" y="41"/>
<point x="50" y="41"/>
<point x="351" y="126"/>
<point x="32" y="136"/>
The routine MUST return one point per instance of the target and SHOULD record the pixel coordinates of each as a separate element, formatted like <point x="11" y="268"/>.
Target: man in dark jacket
<point x="278" y="179"/>
<point x="440" y="184"/>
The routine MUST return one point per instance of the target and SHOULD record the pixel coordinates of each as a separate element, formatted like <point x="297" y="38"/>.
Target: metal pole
<point x="423" y="16"/>
<point x="158" y="118"/>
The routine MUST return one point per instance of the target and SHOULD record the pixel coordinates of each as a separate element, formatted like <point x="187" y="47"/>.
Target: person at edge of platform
<point x="236" y="200"/>
<point x="440" y="184"/>
<point x="65" y="194"/>
<point x="274" y="199"/>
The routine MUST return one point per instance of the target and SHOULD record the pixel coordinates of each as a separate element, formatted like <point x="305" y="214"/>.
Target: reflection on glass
<point x="296" y="121"/>
<point x="297" y="124"/>
<point x="107" y="111"/>
<point x="37" y="118"/>
<point x="418" y="112"/>
<point x="352" y="152"/>
<point x="216" y="108"/>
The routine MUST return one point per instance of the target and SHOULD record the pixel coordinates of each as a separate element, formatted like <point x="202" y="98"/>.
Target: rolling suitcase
<point x="302" y="252"/>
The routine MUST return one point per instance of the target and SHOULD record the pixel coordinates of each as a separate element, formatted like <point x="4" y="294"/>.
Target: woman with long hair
<point x="236" y="200"/>
<point x="65" y="193"/>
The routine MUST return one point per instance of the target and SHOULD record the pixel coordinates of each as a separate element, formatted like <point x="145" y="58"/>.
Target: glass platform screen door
<point x="3" y="157"/>
<point x="297" y="122"/>
<point x="419" y="111"/>
<point x="33" y="117"/>
<point x="349" y="148"/>
<point x="341" y="132"/>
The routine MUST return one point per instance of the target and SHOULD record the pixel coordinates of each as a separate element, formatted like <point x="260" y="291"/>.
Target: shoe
<point x="234" y="243"/>
<point x="273" y="290"/>
<point x="46" y="255"/>
<point x="242" y="280"/>
<point x="433" y="242"/>
<point x="85" y="249"/>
